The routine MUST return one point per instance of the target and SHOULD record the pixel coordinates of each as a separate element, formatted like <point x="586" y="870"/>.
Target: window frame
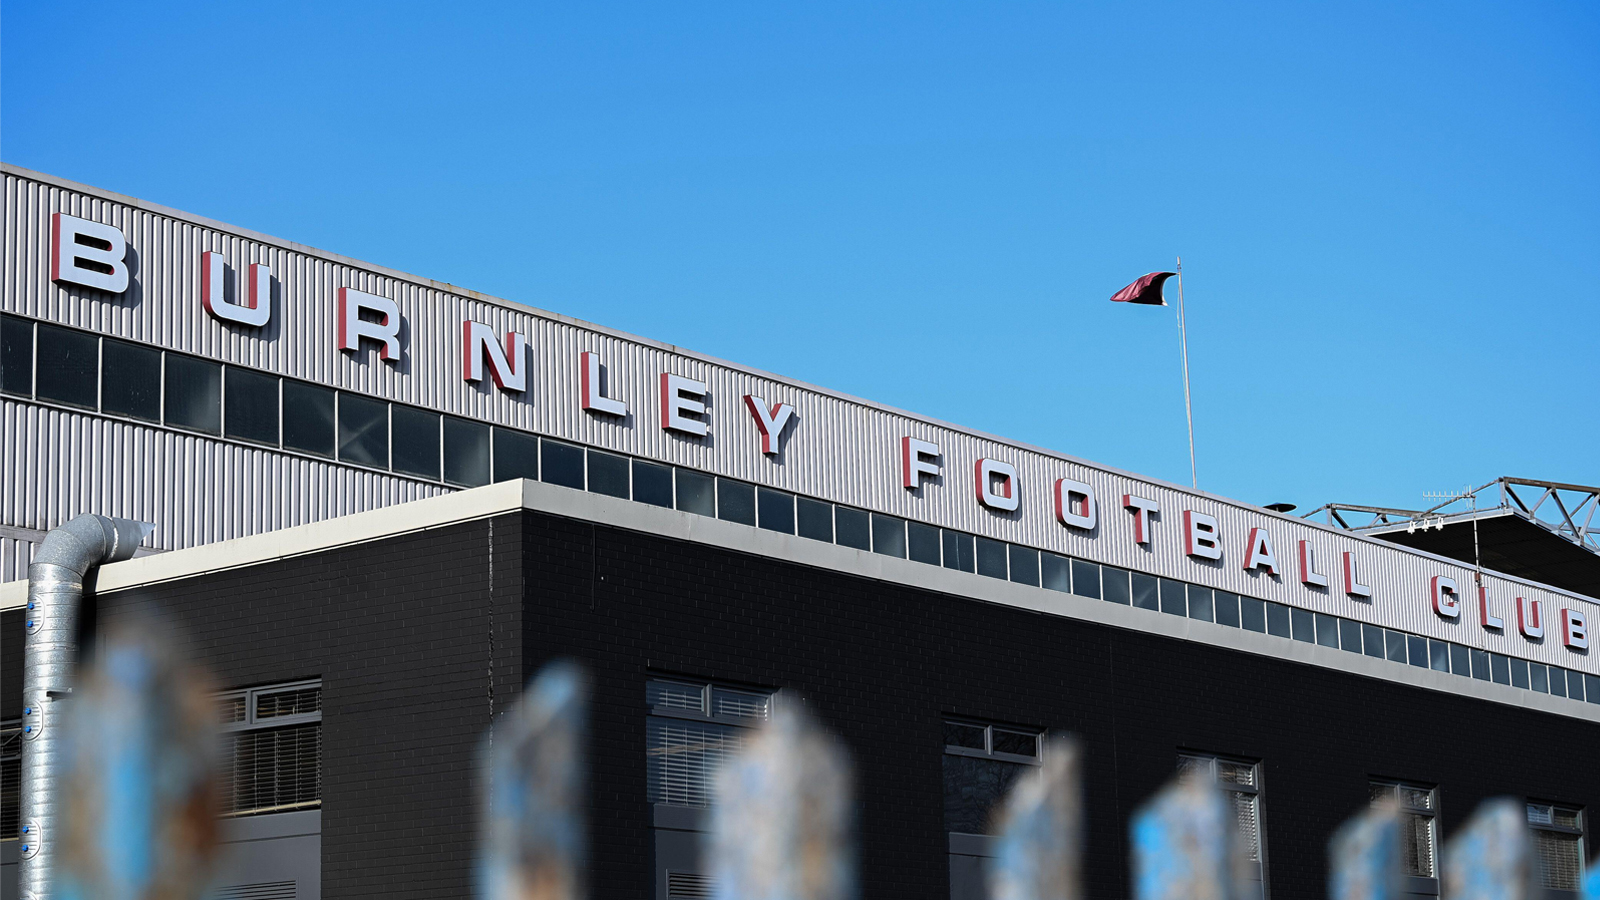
<point x="1256" y="789"/>
<point x="988" y="751"/>
<point x="253" y="722"/>
<point x="1551" y="827"/>
<point x="1421" y="885"/>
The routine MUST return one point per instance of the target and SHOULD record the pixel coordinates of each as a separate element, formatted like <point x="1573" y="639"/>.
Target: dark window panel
<point x="973" y="789"/>
<point x="1086" y="579"/>
<point x="922" y="543"/>
<point x="1014" y="742"/>
<point x="652" y="483"/>
<point x="1439" y="656"/>
<point x="1350" y="635"/>
<point x="852" y="527"/>
<point x="697" y="492"/>
<point x="1253" y="614"/>
<point x="560" y="464"/>
<point x="416" y="441"/>
<point x="1460" y="660"/>
<point x="775" y="510"/>
<point x="1575" y="685"/>
<point x="1417" y="651"/>
<point x="958" y="551"/>
<point x="1200" y="601"/>
<point x="363" y="430"/>
<point x="1056" y="573"/>
<point x="1146" y="591"/>
<point x="68" y="366"/>
<point x="1173" y="601"/>
<point x="1114" y="584"/>
<point x="1539" y="678"/>
<point x="308" y="419"/>
<point x="516" y="455"/>
<point x="16" y="356"/>
<point x="1279" y="622"/>
<point x="1480" y="664"/>
<point x="1591" y="688"/>
<point x="130" y="381"/>
<point x="960" y="734"/>
<point x="1395" y="646"/>
<point x="888" y="535"/>
<point x="1558" y="681"/>
<point x="1024" y="565"/>
<point x="250" y="404"/>
<point x="1327" y="631"/>
<point x="1372" y="641"/>
<point x="608" y="474"/>
<point x="1305" y="628"/>
<point x="815" y="519"/>
<point x="194" y="394"/>
<point x="991" y="558"/>
<point x="1227" y="609"/>
<point x="1519" y="673"/>
<point x="736" y="501"/>
<point x="1500" y="668"/>
<point x="466" y="452"/>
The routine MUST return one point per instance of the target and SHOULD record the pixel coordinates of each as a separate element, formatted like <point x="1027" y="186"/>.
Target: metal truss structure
<point x="1568" y="511"/>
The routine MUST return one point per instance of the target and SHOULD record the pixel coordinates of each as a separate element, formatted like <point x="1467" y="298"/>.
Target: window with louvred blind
<point x="271" y="749"/>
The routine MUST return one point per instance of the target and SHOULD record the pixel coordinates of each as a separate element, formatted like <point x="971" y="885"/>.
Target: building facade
<point x="387" y="501"/>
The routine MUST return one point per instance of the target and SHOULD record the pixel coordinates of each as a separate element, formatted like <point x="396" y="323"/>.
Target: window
<point x="696" y="492"/>
<point x="308" y="420"/>
<point x="515" y="455"/>
<point x="1055" y="573"/>
<point x="466" y="452"/>
<point x="1419" y="830"/>
<point x="251" y="404"/>
<point x="693" y="726"/>
<point x="194" y="394"/>
<point x="1558" y="846"/>
<point x="775" y="510"/>
<point x="69" y="366"/>
<point x="736" y="501"/>
<point x="272" y="749"/>
<point x="814" y="519"/>
<point x="981" y="763"/>
<point x="130" y="380"/>
<point x="888" y="535"/>
<point x="562" y="464"/>
<point x="992" y="558"/>
<point x="1240" y="780"/>
<point x="652" y="484"/>
<point x="416" y="441"/>
<point x="16" y="356"/>
<point x="853" y="528"/>
<point x="1024" y="565"/>
<point x="363" y="430"/>
<point x="958" y="551"/>
<point x="10" y="778"/>
<point x="922" y="543"/>
<point x="608" y="474"/>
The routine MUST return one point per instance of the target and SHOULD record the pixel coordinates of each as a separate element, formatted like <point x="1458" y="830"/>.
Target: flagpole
<point x="1183" y="339"/>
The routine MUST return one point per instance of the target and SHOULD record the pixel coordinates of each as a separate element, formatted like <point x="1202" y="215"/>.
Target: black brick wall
<point x="400" y="631"/>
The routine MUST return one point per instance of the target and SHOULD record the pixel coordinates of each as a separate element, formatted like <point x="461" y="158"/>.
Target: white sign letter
<point x="681" y="398"/>
<point x="1142" y="510"/>
<point x="88" y="253"/>
<point x="1075" y="504"/>
<point x="1308" y="567"/>
<point x="1530" y="618"/>
<point x="1575" y="629"/>
<point x="1352" y="578"/>
<point x="916" y="460"/>
<point x="1490" y="620"/>
<point x="1200" y="535"/>
<point x="253" y="309"/>
<point x="1259" y="553"/>
<point x="997" y="484"/>
<point x="770" y="422"/>
<point x="594" y="395"/>
<point x="352" y="328"/>
<point x="1445" y="601"/>
<point x="508" y="367"/>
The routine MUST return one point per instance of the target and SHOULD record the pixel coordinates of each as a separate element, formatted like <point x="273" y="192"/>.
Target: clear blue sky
<point x="1389" y="213"/>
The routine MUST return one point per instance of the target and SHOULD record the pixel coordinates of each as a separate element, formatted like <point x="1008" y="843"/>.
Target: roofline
<point x="202" y="221"/>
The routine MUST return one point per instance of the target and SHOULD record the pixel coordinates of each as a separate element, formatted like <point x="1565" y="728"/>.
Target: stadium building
<point x="382" y="502"/>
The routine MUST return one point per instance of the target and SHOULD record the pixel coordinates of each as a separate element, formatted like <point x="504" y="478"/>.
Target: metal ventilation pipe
<point x="55" y="594"/>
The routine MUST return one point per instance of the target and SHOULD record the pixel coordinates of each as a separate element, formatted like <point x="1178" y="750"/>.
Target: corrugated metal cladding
<point x="839" y="448"/>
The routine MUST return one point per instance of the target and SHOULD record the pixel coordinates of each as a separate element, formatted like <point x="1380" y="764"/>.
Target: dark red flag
<point x="1146" y="290"/>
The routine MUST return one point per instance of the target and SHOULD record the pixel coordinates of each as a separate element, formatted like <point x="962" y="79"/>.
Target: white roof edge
<point x="19" y="171"/>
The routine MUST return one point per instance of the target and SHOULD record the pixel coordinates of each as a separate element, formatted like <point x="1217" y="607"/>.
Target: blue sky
<point x="1389" y="214"/>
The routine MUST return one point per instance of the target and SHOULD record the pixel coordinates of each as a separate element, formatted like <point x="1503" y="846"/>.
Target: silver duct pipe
<point x="55" y="593"/>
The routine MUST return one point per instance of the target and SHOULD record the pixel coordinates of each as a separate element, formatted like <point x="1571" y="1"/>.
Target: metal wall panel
<point x="839" y="448"/>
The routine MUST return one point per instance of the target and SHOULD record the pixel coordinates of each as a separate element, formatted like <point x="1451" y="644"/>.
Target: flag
<point x="1146" y="290"/>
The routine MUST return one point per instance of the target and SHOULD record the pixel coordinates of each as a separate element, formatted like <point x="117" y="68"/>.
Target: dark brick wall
<point x="400" y="631"/>
<point x="881" y="664"/>
<point x="11" y="635"/>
